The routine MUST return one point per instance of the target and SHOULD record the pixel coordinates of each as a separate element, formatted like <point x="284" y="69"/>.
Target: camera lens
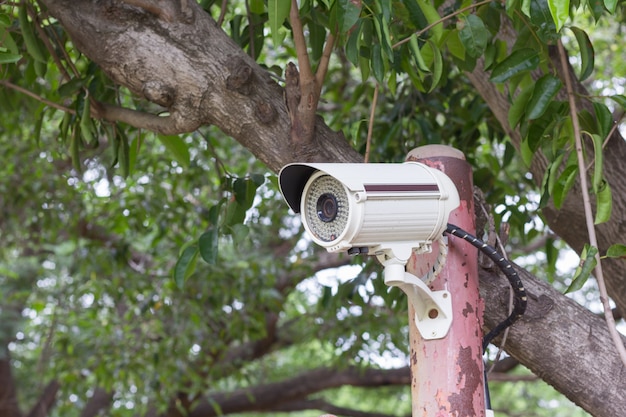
<point x="327" y="207"/>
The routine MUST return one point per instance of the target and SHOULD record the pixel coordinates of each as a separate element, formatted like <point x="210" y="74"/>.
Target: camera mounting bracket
<point x="433" y="309"/>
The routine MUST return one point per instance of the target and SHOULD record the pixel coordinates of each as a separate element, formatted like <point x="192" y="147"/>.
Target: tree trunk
<point x="176" y="56"/>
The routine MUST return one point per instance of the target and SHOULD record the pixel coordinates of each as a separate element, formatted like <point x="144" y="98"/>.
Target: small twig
<point x="299" y="41"/>
<point x="593" y="241"/>
<point x="322" y="68"/>
<point x="370" y="126"/>
<point x="220" y="19"/>
<point x="29" y="93"/>
<point x="443" y="19"/>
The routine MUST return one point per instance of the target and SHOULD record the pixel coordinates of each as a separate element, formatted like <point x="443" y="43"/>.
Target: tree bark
<point x="270" y="396"/>
<point x="186" y="64"/>
<point x="561" y="342"/>
<point x="178" y="58"/>
<point x="9" y="406"/>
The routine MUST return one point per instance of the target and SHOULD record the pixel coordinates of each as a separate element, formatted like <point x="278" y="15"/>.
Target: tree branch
<point x="321" y="405"/>
<point x="306" y="73"/>
<point x="322" y="68"/>
<point x="576" y="336"/>
<point x="9" y="406"/>
<point x="167" y="125"/>
<point x="30" y="94"/>
<point x="99" y="401"/>
<point x="46" y="400"/>
<point x="269" y="396"/>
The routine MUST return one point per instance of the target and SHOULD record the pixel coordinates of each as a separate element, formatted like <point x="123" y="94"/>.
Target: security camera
<point x="375" y="209"/>
<point x="386" y="210"/>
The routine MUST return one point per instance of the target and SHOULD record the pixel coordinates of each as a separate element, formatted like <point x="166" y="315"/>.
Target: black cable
<point x="519" y="300"/>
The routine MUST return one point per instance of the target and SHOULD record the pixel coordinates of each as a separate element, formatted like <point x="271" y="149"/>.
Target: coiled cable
<point x="520" y="298"/>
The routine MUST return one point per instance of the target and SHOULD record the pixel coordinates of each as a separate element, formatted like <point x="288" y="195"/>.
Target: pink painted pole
<point x="447" y="373"/>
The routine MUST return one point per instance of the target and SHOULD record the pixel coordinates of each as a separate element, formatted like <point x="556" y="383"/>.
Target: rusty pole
<point x="447" y="374"/>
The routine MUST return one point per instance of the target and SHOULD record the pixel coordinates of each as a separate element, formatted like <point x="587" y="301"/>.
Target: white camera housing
<point x="377" y="209"/>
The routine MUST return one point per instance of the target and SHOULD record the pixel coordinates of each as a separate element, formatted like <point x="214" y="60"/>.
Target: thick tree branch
<point x="46" y="401"/>
<point x="303" y="88"/>
<point x="172" y="124"/>
<point x="9" y="406"/>
<point x="321" y="405"/>
<point x="269" y="396"/>
<point x="576" y="335"/>
<point x="99" y="401"/>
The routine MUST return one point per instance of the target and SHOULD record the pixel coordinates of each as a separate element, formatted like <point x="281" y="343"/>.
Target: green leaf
<point x="239" y="232"/>
<point x="526" y="152"/>
<point x="474" y="35"/>
<point x="545" y="90"/>
<point x="455" y="46"/>
<point x="597" y="179"/>
<point x="71" y="87"/>
<point x="245" y="191"/>
<point x="177" y="148"/>
<point x="604" y="203"/>
<point x="235" y="213"/>
<point x="353" y="45"/>
<point x="417" y="54"/>
<point x="583" y="272"/>
<point x="384" y="38"/>
<point x="518" y="107"/>
<point x="587" y="55"/>
<point x="437" y="65"/>
<point x="604" y="119"/>
<point x="378" y="67"/>
<point x="5" y="20"/>
<point x="616" y="251"/>
<point x="124" y="155"/>
<point x="9" y="58"/>
<point x="186" y="265"/>
<point x="257" y="6"/>
<point x="432" y="16"/>
<point x="559" y="9"/>
<point x="564" y="184"/>
<point x="7" y="42"/>
<point x="550" y="178"/>
<point x="520" y="60"/>
<point x="348" y="14"/>
<point x="208" y="245"/>
<point x="610" y="5"/>
<point x="278" y="11"/>
<point x="619" y="99"/>
<point x="541" y="17"/>
<point x="415" y="14"/>
<point x="34" y="46"/>
<point x="317" y="38"/>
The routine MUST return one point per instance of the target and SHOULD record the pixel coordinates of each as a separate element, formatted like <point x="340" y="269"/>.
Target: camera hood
<point x="373" y="178"/>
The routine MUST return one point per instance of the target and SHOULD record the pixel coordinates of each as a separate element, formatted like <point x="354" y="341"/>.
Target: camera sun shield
<point x="374" y="208"/>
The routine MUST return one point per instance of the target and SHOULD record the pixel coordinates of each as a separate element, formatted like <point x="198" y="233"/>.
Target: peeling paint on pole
<point x="447" y="373"/>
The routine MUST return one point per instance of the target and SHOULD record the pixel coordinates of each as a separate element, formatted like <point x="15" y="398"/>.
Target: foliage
<point x="138" y="262"/>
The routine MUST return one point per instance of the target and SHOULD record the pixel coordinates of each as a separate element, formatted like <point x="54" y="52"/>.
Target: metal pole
<point x="447" y="373"/>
